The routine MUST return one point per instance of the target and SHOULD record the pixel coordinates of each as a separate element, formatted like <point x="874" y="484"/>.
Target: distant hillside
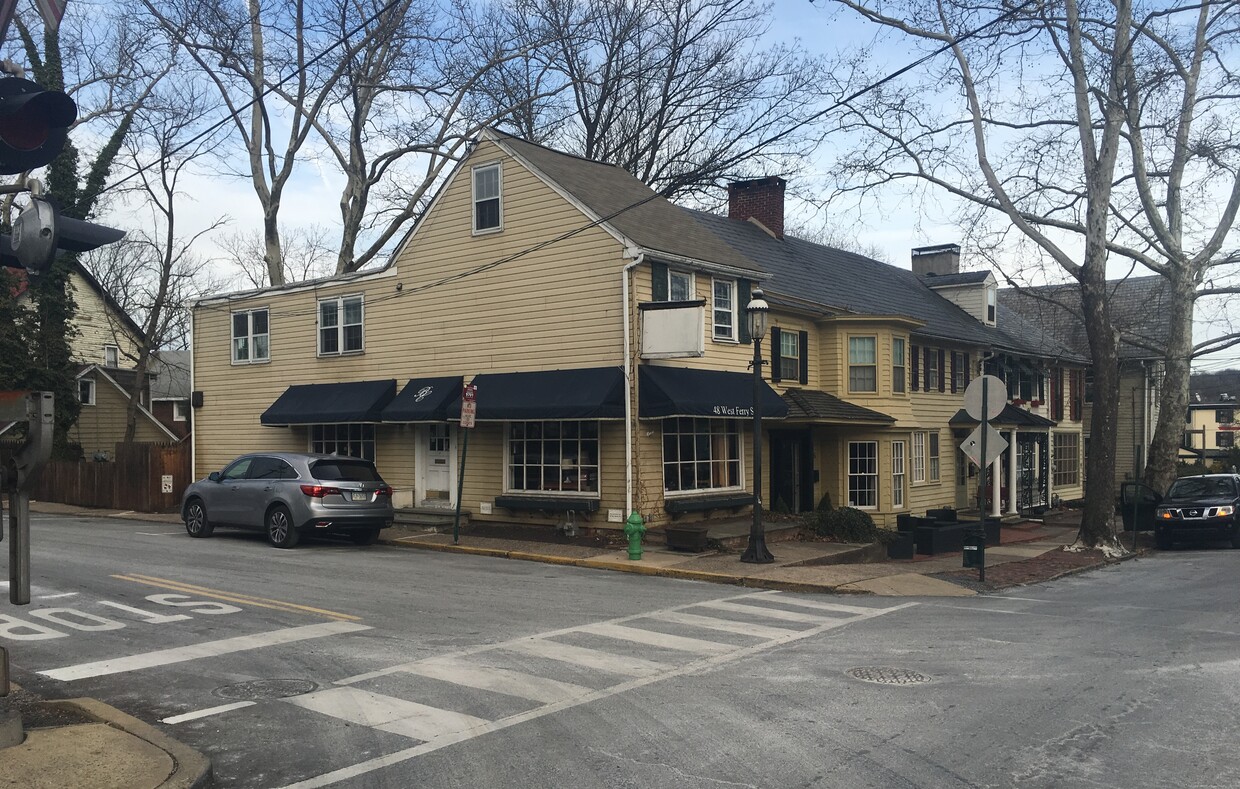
<point x="1212" y="386"/>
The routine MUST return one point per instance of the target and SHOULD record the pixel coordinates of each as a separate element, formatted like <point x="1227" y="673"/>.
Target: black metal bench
<point x="547" y="503"/>
<point x="707" y="503"/>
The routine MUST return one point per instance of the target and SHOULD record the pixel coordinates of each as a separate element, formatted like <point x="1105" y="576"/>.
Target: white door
<point x="435" y="462"/>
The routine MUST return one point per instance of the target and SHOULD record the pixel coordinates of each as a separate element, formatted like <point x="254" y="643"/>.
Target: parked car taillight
<point x="319" y="491"/>
<point x="384" y="490"/>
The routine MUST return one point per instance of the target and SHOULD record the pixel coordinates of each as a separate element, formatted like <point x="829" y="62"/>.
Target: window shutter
<point x="658" y="282"/>
<point x="964" y="357"/>
<point x="954" y="355"/>
<point x="744" y="292"/>
<point x="915" y="358"/>
<point x="925" y="369"/>
<point x="1041" y="386"/>
<point x="1056" y="395"/>
<point x="1074" y="380"/>
<point x="775" y="355"/>
<point x="804" y="340"/>
<point x="942" y="371"/>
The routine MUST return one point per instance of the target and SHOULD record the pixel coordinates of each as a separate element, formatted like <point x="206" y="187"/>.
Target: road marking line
<point x="397" y="716"/>
<point x="818" y="604"/>
<point x="233" y="597"/>
<point x="452" y="738"/>
<point x="189" y="716"/>
<point x="584" y="656"/>
<point x="771" y="613"/>
<point x="159" y="533"/>
<point x="498" y="680"/>
<point x="56" y="596"/>
<point x="656" y="639"/>
<point x="725" y="625"/>
<point x="225" y="646"/>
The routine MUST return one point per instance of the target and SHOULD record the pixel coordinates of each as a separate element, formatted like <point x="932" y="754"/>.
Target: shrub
<point x="846" y="525"/>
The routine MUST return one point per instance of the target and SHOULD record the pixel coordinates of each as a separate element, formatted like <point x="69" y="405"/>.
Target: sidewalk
<point x="85" y="744"/>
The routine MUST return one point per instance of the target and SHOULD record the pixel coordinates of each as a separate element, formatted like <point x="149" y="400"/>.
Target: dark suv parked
<point x="1195" y="508"/>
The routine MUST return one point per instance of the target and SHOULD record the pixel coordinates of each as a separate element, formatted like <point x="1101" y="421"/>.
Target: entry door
<point x="791" y="471"/>
<point x="436" y="459"/>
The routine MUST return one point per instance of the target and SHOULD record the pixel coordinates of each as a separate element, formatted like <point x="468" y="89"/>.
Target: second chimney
<point x="761" y="199"/>
<point x="941" y="259"/>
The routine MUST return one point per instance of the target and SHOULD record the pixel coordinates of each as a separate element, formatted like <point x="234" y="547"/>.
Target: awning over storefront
<point x="1010" y="416"/>
<point x="683" y="391"/>
<point x="425" y="400"/>
<point x="354" y="401"/>
<point x="583" y="393"/>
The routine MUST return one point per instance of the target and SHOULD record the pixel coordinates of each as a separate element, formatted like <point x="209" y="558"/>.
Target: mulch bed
<point x="1027" y="571"/>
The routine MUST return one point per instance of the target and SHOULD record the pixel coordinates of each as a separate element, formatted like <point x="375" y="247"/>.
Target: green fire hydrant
<point x="634" y="528"/>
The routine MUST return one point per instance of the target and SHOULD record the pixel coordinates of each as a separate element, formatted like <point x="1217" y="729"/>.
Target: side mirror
<point x="214" y="476"/>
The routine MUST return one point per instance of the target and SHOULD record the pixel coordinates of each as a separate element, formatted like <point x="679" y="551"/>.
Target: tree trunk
<point x="273" y="254"/>
<point x="1097" y="523"/>
<point x="1173" y="403"/>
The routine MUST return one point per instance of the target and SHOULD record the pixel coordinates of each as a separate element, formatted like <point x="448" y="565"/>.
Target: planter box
<point x="947" y="515"/>
<point x="903" y="547"/>
<point x="904" y="522"/>
<point x="939" y="539"/>
<point x="686" y="538"/>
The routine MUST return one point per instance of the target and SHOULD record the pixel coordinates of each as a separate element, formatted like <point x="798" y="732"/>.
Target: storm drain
<point x="265" y="689"/>
<point x="886" y="675"/>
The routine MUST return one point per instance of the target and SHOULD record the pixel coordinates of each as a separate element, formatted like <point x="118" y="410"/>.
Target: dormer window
<point x="992" y="294"/>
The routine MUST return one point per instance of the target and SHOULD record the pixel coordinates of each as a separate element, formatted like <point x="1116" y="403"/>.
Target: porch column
<point x="1012" y="472"/>
<point x="1050" y="467"/>
<point x="996" y="484"/>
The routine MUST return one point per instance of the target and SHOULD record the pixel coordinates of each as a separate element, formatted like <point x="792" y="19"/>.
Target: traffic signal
<point x="34" y="124"/>
<point x="40" y="232"/>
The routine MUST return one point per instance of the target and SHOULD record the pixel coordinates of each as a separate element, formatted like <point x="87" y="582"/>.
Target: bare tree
<point x="1023" y="118"/>
<point x="308" y="254"/>
<point x="682" y="94"/>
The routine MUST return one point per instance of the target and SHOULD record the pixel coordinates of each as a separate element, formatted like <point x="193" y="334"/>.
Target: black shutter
<point x="965" y="358"/>
<point x="954" y="355"/>
<point x="658" y="282"/>
<point x="775" y="358"/>
<point x="925" y="368"/>
<point x="915" y="358"/>
<point x="942" y="371"/>
<point x="804" y="357"/>
<point x="744" y="292"/>
<point x="1041" y="386"/>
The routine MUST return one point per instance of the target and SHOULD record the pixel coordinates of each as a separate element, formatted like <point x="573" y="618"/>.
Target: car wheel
<point x="196" y="522"/>
<point x="365" y="536"/>
<point x="280" y="530"/>
<point x="1162" y="541"/>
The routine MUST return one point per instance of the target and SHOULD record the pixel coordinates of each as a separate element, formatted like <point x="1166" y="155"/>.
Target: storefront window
<point x="553" y="456"/>
<point x="701" y="454"/>
<point x="356" y="441"/>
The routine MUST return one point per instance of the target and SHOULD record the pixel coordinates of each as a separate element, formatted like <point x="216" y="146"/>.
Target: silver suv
<point x="290" y="494"/>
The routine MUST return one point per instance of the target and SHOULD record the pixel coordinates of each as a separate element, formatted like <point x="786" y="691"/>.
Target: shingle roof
<point x="815" y="404"/>
<point x="1136" y="304"/>
<point x="1011" y="415"/>
<point x="171" y="370"/>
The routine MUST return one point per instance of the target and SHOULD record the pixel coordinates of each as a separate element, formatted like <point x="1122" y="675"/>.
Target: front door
<point x="792" y="471"/>
<point x="435" y="462"/>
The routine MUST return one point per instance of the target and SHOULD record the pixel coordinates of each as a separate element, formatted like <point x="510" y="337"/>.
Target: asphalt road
<point x="334" y="665"/>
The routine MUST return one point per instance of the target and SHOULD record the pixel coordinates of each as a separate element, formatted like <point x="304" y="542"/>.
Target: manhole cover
<point x="265" y="689"/>
<point x="887" y="675"/>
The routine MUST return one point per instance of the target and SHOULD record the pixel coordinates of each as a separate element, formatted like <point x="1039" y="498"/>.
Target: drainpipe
<point x="191" y="416"/>
<point x="629" y="386"/>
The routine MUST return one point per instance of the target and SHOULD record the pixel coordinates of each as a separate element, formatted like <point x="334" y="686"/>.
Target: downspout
<point x="193" y="421"/>
<point x="628" y="383"/>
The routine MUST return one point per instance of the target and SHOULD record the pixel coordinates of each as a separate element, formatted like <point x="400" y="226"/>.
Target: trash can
<point x="975" y="546"/>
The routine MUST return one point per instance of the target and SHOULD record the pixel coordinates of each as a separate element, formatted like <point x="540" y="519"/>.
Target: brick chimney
<point x="761" y="199"/>
<point x="941" y="259"/>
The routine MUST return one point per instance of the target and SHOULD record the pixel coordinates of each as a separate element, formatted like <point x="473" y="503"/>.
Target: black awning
<point x="425" y="400"/>
<point x="683" y="391"/>
<point x="585" y="393"/>
<point x="308" y="404"/>
<point x="1010" y="416"/>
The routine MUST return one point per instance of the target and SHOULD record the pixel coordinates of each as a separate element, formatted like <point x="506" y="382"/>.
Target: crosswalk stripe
<point x="654" y="639"/>
<point x="585" y="657"/>
<point x="770" y="613"/>
<point x="725" y="625"/>
<point x="499" y="680"/>
<point x="397" y="716"/>
<point x="838" y="607"/>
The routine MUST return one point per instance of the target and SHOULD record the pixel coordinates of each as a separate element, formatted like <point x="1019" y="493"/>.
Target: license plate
<point x="359" y="497"/>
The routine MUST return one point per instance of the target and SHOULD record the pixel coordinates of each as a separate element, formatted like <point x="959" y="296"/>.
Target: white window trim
<point x="877" y="475"/>
<point x="714" y="333"/>
<point x="899" y="476"/>
<point x="587" y="494"/>
<point x="93" y="390"/>
<point x="473" y="202"/>
<point x="673" y="494"/>
<point x="902" y="367"/>
<point x="318" y="328"/>
<point x="934" y="462"/>
<point x="919" y="458"/>
<point x="249" y="322"/>
<point x="692" y="285"/>
<point x="180" y="410"/>
<point x="117" y="350"/>
<point x="850" y="365"/>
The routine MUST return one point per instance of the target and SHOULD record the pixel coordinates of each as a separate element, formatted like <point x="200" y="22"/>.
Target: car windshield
<point x="1201" y="487"/>
<point x="345" y="470"/>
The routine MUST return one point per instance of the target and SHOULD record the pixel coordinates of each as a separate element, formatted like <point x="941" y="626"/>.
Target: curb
<point x="634" y="569"/>
<point x="192" y="769"/>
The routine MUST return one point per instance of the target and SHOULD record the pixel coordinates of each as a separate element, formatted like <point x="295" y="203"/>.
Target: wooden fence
<point x="135" y="480"/>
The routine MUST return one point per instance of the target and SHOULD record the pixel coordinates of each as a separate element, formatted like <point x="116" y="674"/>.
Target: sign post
<point x="469" y="413"/>
<point x="984" y="398"/>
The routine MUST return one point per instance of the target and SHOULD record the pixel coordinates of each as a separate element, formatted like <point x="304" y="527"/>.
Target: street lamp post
<point x="756" y="552"/>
